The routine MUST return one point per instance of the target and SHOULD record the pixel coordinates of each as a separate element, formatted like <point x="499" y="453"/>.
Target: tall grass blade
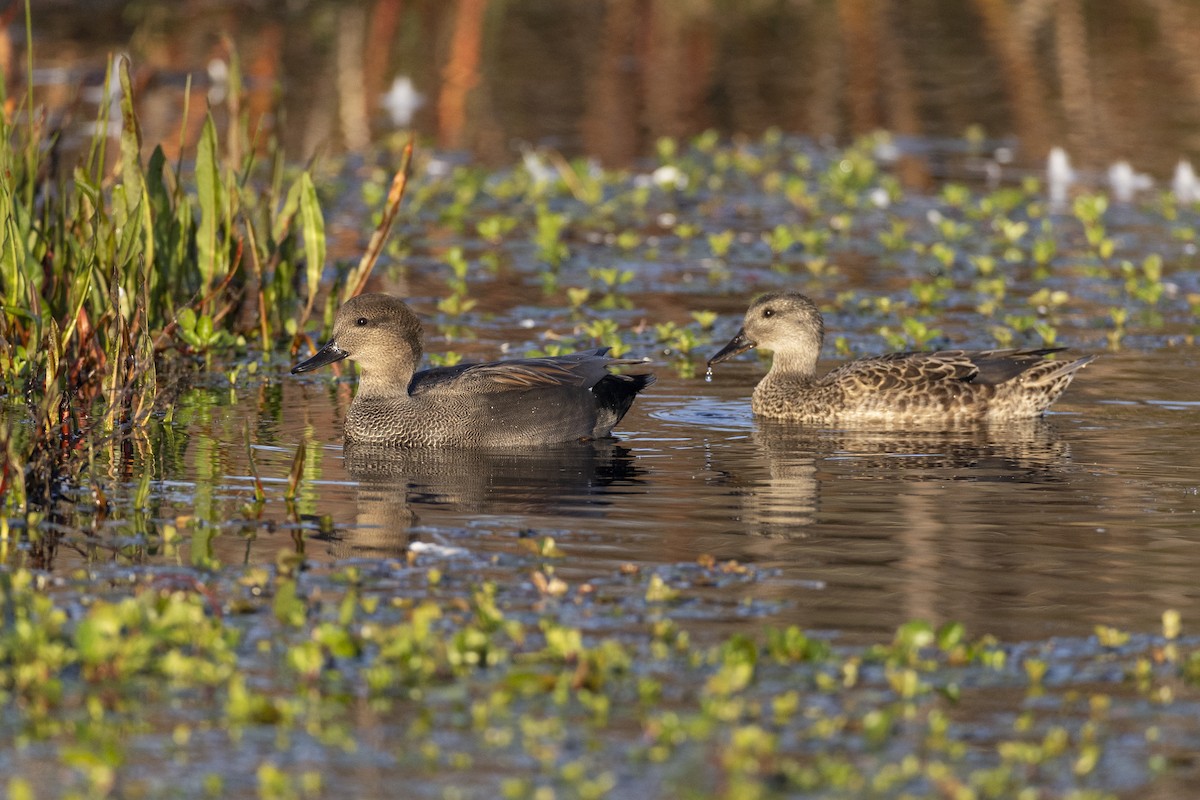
<point x="31" y="146"/>
<point x="98" y="153"/>
<point x="147" y="371"/>
<point x="209" y="191"/>
<point x="131" y="144"/>
<point x="314" y="239"/>
<point x="358" y="278"/>
<point x="291" y="205"/>
<point x="81" y="287"/>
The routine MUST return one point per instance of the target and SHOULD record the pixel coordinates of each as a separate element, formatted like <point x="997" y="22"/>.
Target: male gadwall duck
<point x="947" y="386"/>
<point x="522" y="402"/>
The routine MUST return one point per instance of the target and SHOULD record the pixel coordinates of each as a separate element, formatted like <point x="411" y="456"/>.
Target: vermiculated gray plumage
<point x="521" y="402"/>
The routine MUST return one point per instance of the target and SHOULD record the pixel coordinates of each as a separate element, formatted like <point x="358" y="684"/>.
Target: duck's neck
<point x="794" y="364"/>
<point x="391" y="384"/>
<point x="390" y="376"/>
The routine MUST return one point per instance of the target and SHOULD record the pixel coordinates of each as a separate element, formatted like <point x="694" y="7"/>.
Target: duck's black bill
<point x="738" y="344"/>
<point x="326" y="355"/>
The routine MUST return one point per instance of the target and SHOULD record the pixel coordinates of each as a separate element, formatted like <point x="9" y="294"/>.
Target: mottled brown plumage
<point x="943" y="387"/>
<point x="531" y="401"/>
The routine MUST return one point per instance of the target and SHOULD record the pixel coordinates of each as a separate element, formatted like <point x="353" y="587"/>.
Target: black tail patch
<point x="614" y="396"/>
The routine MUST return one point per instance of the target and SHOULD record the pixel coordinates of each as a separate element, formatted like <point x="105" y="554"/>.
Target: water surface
<point x="1090" y="515"/>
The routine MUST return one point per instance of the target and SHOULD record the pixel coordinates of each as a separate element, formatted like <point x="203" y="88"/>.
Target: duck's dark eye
<point x="361" y="321"/>
<point x="768" y="312"/>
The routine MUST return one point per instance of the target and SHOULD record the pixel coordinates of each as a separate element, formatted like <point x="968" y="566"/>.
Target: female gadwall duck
<point x="947" y="386"/>
<point x="531" y="401"/>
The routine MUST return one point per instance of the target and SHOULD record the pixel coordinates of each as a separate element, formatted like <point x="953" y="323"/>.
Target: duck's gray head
<point x="378" y="331"/>
<point x="786" y="323"/>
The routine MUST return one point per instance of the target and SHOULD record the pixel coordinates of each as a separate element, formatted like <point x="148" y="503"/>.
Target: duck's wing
<point x="584" y="370"/>
<point x="929" y="368"/>
<point x="997" y="366"/>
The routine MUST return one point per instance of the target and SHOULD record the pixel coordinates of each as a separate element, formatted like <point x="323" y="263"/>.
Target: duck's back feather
<point x="584" y="370"/>
<point x="982" y="367"/>
<point x="939" y="385"/>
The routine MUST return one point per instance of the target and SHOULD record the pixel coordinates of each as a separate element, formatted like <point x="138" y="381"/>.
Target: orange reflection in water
<point x="1108" y="81"/>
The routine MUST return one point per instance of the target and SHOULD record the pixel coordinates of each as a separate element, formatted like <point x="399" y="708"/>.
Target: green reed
<point x="112" y="266"/>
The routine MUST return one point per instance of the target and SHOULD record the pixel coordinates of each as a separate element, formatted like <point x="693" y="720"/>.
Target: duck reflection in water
<point x="807" y="470"/>
<point x="397" y="488"/>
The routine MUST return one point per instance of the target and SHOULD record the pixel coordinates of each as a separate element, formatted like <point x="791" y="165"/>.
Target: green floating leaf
<point x="915" y="634"/>
<point x="288" y="607"/>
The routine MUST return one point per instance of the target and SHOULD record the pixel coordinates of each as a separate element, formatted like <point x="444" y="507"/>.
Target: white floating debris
<point x="1059" y="175"/>
<point x="992" y="170"/>
<point x="440" y="550"/>
<point x="402" y="101"/>
<point x="218" y="80"/>
<point x="1184" y="184"/>
<point x="669" y="177"/>
<point x="1126" y="182"/>
<point x="886" y="150"/>
<point x="539" y="170"/>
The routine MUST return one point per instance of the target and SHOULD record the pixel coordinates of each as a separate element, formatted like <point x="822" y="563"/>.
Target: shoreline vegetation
<point x="116" y="266"/>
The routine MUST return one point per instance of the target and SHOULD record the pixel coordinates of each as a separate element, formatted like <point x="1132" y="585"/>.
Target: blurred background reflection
<point x="1109" y="81"/>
